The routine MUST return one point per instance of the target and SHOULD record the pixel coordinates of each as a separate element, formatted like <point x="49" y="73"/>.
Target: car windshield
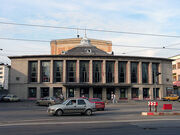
<point x="65" y="102"/>
<point x="96" y="100"/>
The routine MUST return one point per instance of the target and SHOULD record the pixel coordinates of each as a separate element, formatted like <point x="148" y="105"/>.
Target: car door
<point x="70" y="107"/>
<point x="81" y="105"/>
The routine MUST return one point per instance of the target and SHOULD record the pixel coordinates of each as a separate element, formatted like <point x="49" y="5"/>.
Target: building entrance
<point x="109" y="91"/>
<point x="97" y="93"/>
<point x="84" y="92"/>
<point x="70" y="92"/>
<point x="123" y="93"/>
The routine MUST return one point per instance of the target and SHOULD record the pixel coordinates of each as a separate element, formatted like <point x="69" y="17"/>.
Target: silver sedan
<point x="79" y="105"/>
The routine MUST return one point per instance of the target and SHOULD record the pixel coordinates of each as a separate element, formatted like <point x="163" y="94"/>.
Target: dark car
<point x="2" y="97"/>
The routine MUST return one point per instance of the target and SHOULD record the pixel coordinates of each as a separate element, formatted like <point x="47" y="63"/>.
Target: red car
<point x="100" y="105"/>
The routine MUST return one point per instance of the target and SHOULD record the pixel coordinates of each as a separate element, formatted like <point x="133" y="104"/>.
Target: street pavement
<point x="25" y="118"/>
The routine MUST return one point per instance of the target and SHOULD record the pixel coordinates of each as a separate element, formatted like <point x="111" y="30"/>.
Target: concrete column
<point x="90" y="72"/>
<point x="38" y="93"/>
<point x="90" y="92"/>
<point x="150" y="73"/>
<point x="50" y="91"/>
<point x="129" y="93"/>
<point x="104" y="94"/>
<point x="128" y="72"/>
<point x="160" y="71"/>
<point x="117" y="93"/>
<point x="140" y="93"/>
<point x="39" y="72"/>
<point x="140" y="72"/>
<point x="64" y="92"/>
<point x="151" y="92"/>
<point x="77" y="71"/>
<point x="104" y="71"/>
<point x="77" y="92"/>
<point x="116" y="72"/>
<point x="64" y="71"/>
<point x="51" y="71"/>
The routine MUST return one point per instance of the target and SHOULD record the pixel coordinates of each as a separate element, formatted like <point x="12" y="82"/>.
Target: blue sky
<point x="143" y="16"/>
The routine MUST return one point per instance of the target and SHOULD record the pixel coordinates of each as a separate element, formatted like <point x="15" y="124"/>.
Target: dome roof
<point x="86" y="48"/>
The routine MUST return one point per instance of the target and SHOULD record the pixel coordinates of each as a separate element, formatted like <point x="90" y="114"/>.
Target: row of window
<point x="97" y="92"/>
<point x="71" y="68"/>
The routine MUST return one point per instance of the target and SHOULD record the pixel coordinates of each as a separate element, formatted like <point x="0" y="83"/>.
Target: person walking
<point x="113" y="98"/>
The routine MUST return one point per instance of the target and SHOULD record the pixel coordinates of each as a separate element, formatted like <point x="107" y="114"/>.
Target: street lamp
<point x="156" y="74"/>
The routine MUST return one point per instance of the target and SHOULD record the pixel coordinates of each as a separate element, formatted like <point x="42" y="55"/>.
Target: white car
<point x="82" y="106"/>
<point x="11" y="98"/>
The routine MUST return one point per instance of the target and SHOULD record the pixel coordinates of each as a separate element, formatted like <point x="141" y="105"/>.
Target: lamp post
<point x="156" y="74"/>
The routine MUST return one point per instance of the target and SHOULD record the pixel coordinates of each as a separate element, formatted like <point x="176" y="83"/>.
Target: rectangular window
<point x="145" y="92"/>
<point x="44" y="92"/>
<point x="178" y="65"/>
<point x="109" y="72"/>
<point x="71" y="71"/>
<point x="174" y="77"/>
<point x="57" y="91"/>
<point x="135" y="93"/>
<point x="32" y="92"/>
<point x="33" y="71"/>
<point x="134" y="71"/>
<point x="174" y="66"/>
<point x="122" y="72"/>
<point x="145" y="72"/>
<point x="84" y="71"/>
<point x="156" y="93"/>
<point x="58" y="71"/>
<point x="45" y="71"/>
<point x="97" y="69"/>
<point x="155" y="78"/>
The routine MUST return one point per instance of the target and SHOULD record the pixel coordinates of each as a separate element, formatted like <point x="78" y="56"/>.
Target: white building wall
<point x="4" y="69"/>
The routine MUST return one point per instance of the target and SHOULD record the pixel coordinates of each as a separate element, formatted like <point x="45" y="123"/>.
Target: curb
<point x="159" y="113"/>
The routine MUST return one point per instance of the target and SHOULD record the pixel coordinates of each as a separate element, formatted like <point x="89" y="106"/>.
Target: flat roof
<point x="86" y="56"/>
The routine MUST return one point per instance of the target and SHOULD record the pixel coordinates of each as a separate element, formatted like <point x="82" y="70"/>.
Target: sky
<point x="140" y="16"/>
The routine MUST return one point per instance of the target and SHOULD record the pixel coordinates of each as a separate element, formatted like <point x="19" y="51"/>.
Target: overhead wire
<point x="88" y="29"/>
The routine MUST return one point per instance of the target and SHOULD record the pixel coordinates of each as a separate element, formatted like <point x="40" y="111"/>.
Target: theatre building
<point x="86" y="70"/>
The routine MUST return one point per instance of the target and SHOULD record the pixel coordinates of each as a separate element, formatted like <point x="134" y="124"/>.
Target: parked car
<point x="48" y="101"/>
<point x="100" y="105"/>
<point x="78" y="105"/>
<point x="171" y="97"/>
<point x="11" y="98"/>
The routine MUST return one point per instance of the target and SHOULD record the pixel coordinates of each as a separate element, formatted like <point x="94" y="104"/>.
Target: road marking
<point x="82" y="122"/>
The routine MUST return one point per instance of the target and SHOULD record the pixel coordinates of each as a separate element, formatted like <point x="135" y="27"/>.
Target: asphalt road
<point x="25" y="118"/>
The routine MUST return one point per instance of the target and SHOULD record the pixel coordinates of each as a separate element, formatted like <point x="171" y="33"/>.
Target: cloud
<point x="161" y="17"/>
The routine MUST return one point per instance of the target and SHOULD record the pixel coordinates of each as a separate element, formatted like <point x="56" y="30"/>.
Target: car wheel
<point x="88" y="112"/>
<point x="59" y="112"/>
<point x="102" y="109"/>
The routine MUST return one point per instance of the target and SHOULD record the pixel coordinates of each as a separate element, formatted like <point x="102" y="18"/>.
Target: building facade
<point x="62" y="45"/>
<point x="176" y="73"/>
<point x="4" y="77"/>
<point x="88" y="71"/>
